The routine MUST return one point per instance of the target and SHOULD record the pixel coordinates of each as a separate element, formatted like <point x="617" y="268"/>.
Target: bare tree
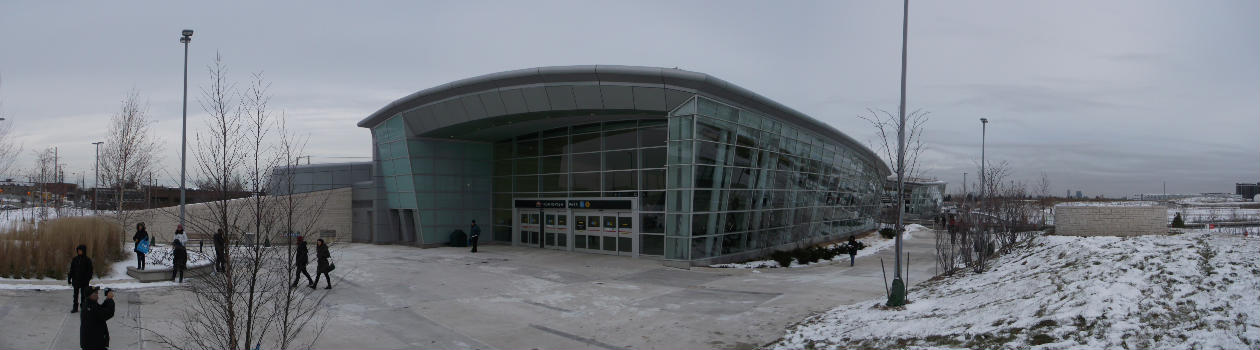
<point x="886" y="125"/>
<point x="43" y="172"/>
<point x="9" y="150"/>
<point x="250" y="304"/>
<point x="1044" y="199"/>
<point x="129" y="156"/>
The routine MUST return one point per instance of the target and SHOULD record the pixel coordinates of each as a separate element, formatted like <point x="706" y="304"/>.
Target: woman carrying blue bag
<point x="142" y="244"/>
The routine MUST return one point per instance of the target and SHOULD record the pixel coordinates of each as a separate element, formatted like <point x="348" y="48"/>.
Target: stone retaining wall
<point x="1110" y="221"/>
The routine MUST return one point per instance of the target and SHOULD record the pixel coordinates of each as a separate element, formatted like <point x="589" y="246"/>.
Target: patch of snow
<point x="1194" y="290"/>
<point x="1110" y="204"/>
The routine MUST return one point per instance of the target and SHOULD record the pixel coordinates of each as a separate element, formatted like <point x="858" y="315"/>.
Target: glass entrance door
<point x="626" y="234"/>
<point x="529" y="228"/>
<point x="556" y="233"/>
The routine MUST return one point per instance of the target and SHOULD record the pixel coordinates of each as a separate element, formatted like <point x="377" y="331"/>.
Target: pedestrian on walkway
<point x="475" y="234"/>
<point x="142" y="244"/>
<point x="80" y="276"/>
<point x="180" y="261"/>
<point x="93" y="330"/>
<point x="323" y="266"/>
<point x="300" y="259"/>
<point x="180" y="236"/>
<point x="854" y="246"/>
<point x="220" y="249"/>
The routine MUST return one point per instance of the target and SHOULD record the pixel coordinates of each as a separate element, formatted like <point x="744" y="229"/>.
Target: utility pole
<point x="897" y="296"/>
<point x="96" y="183"/>
<point x="964" y="185"/>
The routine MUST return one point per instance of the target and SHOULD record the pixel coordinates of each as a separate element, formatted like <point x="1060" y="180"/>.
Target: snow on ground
<point x="13" y="217"/>
<point x="1109" y="204"/>
<point x="1194" y="290"/>
<point x="1214" y="214"/>
<point x="1231" y="199"/>
<point x="873" y="243"/>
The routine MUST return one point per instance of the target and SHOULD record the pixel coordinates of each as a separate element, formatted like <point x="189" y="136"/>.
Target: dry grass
<point x="45" y="250"/>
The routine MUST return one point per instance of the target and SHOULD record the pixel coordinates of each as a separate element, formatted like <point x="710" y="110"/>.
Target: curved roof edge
<point x="688" y="80"/>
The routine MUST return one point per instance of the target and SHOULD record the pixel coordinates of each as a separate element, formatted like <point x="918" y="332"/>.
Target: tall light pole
<point x="183" y="143"/>
<point x="964" y="185"/>
<point x="96" y="177"/>
<point x="984" y="125"/>
<point x="897" y="296"/>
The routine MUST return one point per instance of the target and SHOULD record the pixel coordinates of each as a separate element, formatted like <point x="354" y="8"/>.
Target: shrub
<point x="1178" y="222"/>
<point x="888" y="232"/>
<point x="45" y="250"/>
<point x="784" y="258"/>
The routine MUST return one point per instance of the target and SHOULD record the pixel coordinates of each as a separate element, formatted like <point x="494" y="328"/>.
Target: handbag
<point x="142" y="247"/>
<point x="331" y="265"/>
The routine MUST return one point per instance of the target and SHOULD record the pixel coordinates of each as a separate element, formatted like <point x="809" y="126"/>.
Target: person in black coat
<point x="180" y="261"/>
<point x="93" y="331"/>
<point x="141" y="235"/>
<point x="300" y="259"/>
<point x="854" y="246"/>
<point x="220" y="249"/>
<point x="475" y="235"/>
<point x="80" y="275"/>
<point x="321" y="267"/>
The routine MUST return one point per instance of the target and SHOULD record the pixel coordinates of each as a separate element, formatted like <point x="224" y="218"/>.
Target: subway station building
<point x="636" y="161"/>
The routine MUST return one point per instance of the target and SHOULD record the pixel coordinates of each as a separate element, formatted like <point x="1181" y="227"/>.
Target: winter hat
<point x="82" y="247"/>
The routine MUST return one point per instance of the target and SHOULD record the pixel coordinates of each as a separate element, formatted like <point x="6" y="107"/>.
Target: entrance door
<point x="609" y="236"/>
<point x="625" y="234"/>
<point x="556" y="233"/>
<point x="529" y="228"/>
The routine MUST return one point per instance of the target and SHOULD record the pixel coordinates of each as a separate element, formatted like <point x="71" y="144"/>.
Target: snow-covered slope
<point x="1195" y="290"/>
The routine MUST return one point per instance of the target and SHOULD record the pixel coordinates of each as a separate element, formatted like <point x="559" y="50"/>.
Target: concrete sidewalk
<point x="392" y="297"/>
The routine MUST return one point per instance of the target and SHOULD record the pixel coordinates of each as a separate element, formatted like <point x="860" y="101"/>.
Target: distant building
<point x="1247" y="190"/>
<point x="1079" y="195"/>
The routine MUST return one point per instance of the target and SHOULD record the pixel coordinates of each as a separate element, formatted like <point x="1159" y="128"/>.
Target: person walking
<point x="220" y="249"/>
<point x="322" y="265"/>
<point x="180" y="261"/>
<point x="93" y="329"/>
<point x="300" y="260"/>
<point x="141" y="238"/>
<point x="854" y="247"/>
<point x="475" y="233"/>
<point x="80" y="276"/>
<point x="180" y="236"/>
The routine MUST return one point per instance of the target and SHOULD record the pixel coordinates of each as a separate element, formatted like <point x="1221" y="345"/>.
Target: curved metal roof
<point x="661" y="78"/>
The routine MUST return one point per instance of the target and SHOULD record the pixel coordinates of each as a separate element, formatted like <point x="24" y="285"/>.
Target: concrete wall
<point x="333" y="218"/>
<point x="1110" y="221"/>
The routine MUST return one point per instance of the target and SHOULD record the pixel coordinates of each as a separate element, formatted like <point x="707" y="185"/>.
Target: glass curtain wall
<point x="739" y="181"/>
<point x="608" y="159"/>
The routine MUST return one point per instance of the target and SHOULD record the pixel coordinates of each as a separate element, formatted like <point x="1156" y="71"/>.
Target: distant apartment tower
<point x="1079" y="195"/>
<point x="1247" y="190"/>
<point x="1068" y="194"/>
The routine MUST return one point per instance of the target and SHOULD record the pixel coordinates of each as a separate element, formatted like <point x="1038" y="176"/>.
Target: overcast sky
<point x="1107" y="97"/>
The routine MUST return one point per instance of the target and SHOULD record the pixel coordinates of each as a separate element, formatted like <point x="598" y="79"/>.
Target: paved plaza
<point x="395" y="297"/>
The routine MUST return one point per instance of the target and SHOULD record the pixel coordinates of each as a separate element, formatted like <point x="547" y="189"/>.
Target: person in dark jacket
<point x="180" y="261"/>
<point x="300" y="259"/>
<point x="80" y="275"/>
<point x="141" y="235"/>
<point x="474" y="234"/>
<point x="220" y="249"/>
<point x="854" y="246"/>
<point x="321" y="267"/>
<point x="93" y="330"/>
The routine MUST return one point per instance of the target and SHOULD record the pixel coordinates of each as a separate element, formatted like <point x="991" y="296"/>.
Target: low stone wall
<point x="164" y="274"/>
<point x="1110" y="221"/>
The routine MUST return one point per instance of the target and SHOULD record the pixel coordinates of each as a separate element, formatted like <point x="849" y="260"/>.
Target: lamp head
<point x="187" y="32"/>
<point x="984" y="120"/>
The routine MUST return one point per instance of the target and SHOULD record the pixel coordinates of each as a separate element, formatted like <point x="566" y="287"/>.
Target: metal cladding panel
<point x="630" y="74"/>
<point x="493" y="104"/>
<point x="649" y="98"/>
<point x="449" y="113"/>
<point x="561" y="98"/>
<point x="473" y="106"/>
<point x="681" y="78"/>
<point x="536" y="99"/>
<point x="617" y="96"/>
<point x="513" y="101"/>
<point x="414" y="120"/>
<point x="564" y="74"/>
<point x="588" y="97"/>
<point x="673" y="98"/>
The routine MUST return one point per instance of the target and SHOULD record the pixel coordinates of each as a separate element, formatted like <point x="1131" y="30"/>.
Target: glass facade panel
<point x="738" y="180"/>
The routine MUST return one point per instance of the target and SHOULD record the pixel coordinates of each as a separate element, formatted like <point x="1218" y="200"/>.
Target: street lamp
<point x="897" y="296"/>
<point x="183" y="142"/>
<point x="984" y="123"/>
<point x="96" y="182"/>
